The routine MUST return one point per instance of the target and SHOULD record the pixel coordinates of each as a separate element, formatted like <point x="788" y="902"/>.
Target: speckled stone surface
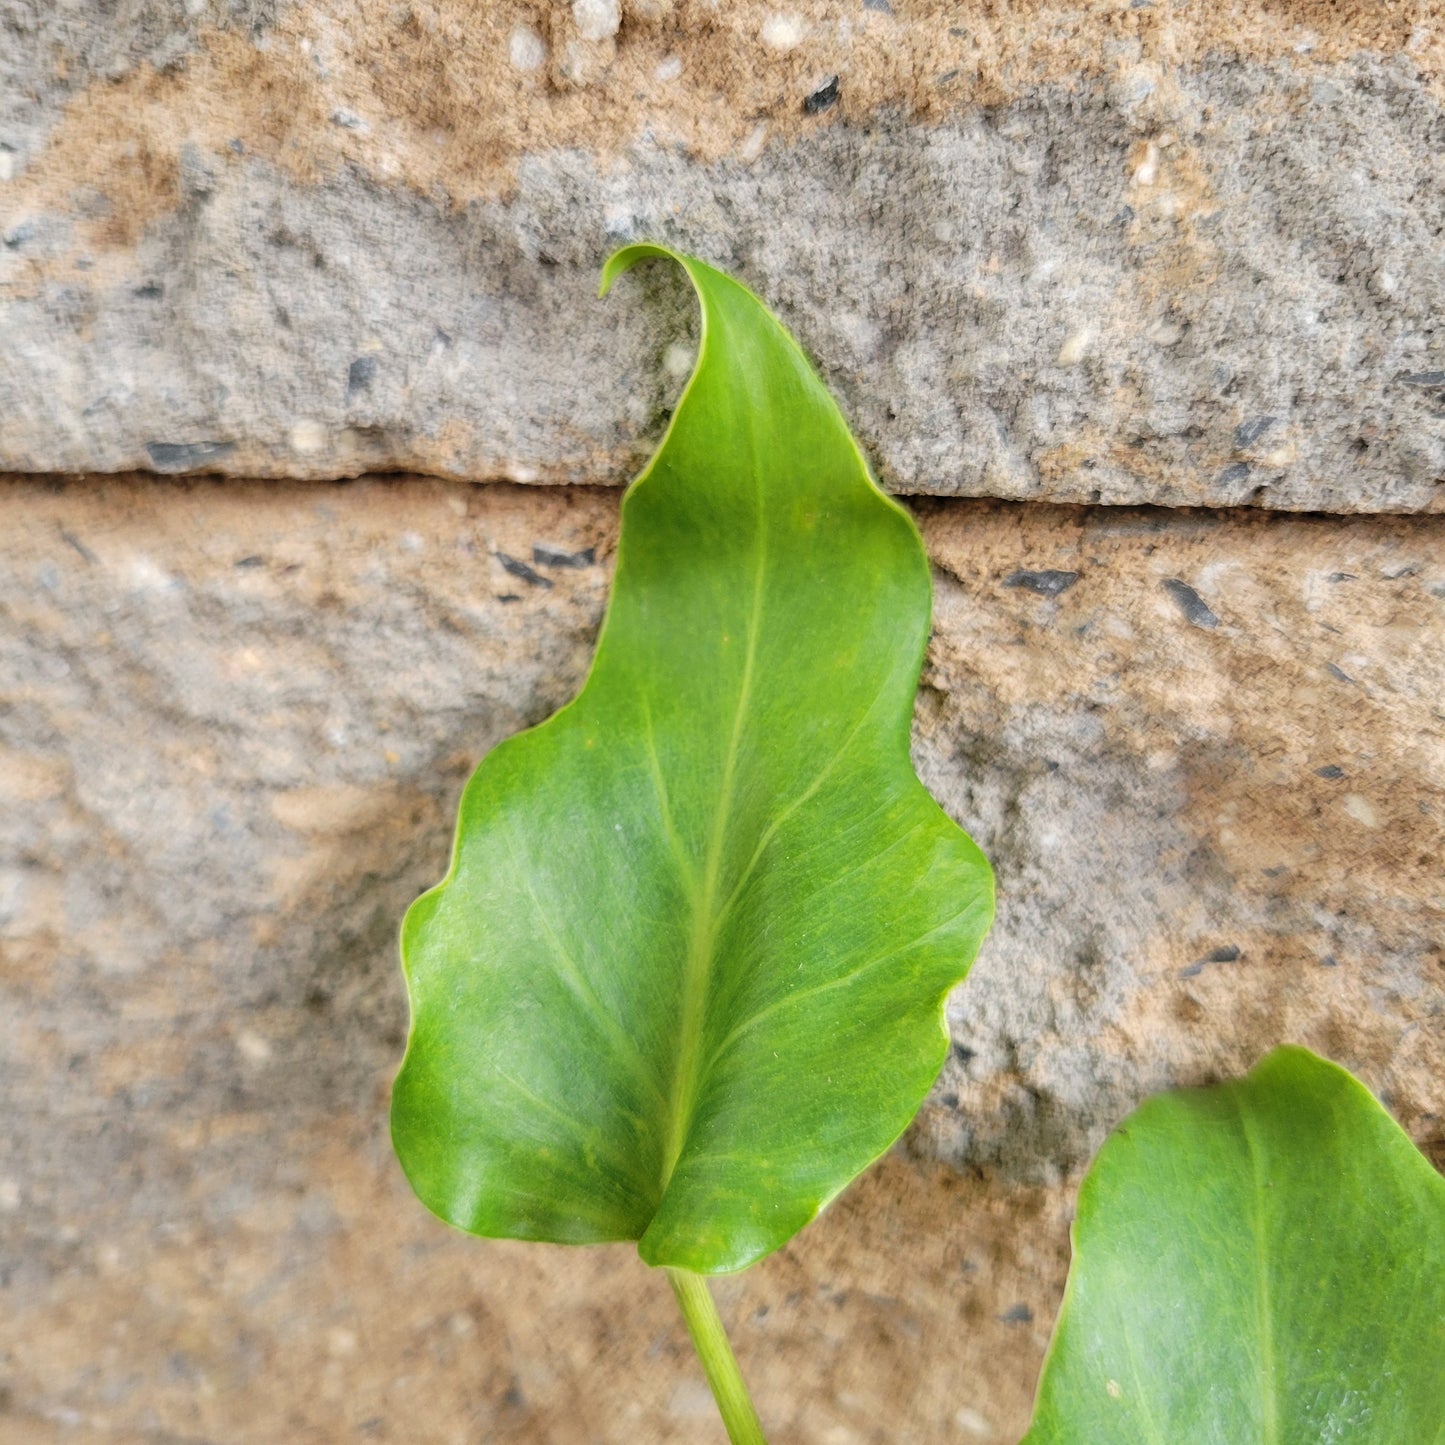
<point x="1116" y="252"/>
<point x="1203" y="749"/>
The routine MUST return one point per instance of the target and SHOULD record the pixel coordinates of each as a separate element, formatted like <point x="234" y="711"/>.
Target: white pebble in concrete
<point x="972" y="1423"/>
<point x="1073" y="351"/>
<point x="784" y="32"/>
<point x="1147" y="171"/>
<point x="752" y="146"/>
<point x="252" y="1047"/>
<point x="677" y="360"/>
<point x="308" y="437"/>
<point x="526" y="49"/>
<point x="597" y="19"/>
<point x="1360" y="809"/>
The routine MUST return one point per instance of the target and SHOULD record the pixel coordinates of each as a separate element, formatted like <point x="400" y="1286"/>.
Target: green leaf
<point x="685" y="978"/>
<point x="1259" y="1262"/>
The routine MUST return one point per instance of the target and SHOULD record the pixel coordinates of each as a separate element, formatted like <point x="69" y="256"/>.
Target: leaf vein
<point x="565" y="967"/>
<point x="589" y="1136"/>
<point x="686" y="865"/>
<point x="811" y="791"/>
<point x="813" y="990"/>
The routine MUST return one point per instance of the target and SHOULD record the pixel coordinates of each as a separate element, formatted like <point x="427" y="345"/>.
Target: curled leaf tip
<point x="626" y="257"/>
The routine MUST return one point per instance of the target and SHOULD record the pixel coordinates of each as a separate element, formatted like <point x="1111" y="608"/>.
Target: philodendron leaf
<point x="1254" y="1264"/>
<point x="685" y="978"/>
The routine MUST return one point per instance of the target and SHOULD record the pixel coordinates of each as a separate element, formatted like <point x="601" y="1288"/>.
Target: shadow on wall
<point x="329" y="968"/>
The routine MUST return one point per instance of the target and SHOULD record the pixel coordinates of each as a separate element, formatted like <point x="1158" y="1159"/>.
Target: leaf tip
<point x="626" y="257"/>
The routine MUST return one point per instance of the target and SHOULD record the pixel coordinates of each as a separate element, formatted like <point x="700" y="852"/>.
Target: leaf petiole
<point x="711" y="1343"/>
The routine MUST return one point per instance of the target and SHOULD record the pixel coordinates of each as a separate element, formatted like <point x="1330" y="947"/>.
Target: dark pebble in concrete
<point x="520" y="569"/>
<point x="1191" y="604"/>
<point x="183" y="456"/>
<point x="1249" y="432"/>
<point x="360" y="375"/>
<point x="1049" y="583"/>
<point x="545" y="556"/>
<point x="825" y="97"/>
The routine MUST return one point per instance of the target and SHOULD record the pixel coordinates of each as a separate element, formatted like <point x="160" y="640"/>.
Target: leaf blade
<point x="1264" y="1260"/>
<point x="692" y="872"/>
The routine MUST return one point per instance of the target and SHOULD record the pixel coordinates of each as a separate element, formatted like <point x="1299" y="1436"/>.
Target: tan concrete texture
<point x="1205" y="751"/>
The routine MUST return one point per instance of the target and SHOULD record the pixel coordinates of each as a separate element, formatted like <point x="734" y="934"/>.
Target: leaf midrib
<point x="702" y="943"/>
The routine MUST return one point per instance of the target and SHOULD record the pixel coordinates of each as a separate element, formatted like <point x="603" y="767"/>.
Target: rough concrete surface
<point x="1204" y="750"/>
<point x="1121" y="252"/>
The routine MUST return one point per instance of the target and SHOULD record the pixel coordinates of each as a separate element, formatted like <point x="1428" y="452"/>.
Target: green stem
<point x="711" y="1343"/>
